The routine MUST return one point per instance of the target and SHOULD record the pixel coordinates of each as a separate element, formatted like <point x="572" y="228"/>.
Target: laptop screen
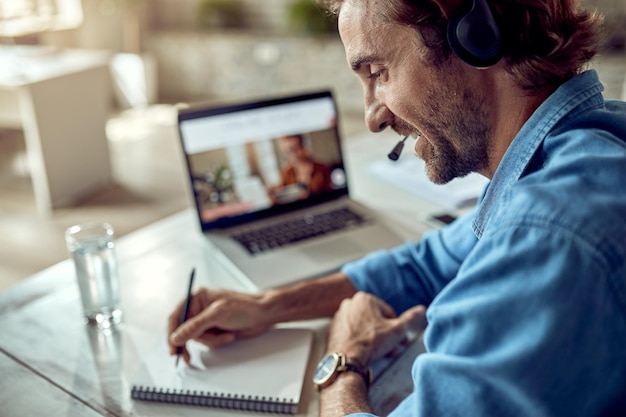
<point x="256" y="159"/>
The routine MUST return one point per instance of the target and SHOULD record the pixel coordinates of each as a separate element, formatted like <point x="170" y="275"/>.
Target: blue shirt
<point x="527" y="293"/>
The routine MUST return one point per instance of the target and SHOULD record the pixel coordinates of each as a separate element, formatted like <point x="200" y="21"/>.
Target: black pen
<point x="185" y="312"/>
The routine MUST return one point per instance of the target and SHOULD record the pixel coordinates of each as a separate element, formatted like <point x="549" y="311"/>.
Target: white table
<point x="45" y="345"/>
<point x="61" y="100"/>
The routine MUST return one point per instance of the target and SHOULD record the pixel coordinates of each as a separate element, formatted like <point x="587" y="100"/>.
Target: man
<point x="307" y="175"/>
<point x="526" y="295"/>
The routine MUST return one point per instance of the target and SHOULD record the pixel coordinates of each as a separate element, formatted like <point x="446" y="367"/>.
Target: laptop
<point x="271" y="189"/>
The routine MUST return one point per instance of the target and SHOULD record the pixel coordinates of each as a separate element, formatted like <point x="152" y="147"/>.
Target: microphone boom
<point x="397" y="150"/>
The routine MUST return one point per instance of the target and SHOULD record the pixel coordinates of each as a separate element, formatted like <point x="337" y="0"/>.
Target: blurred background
<point x="114" y="73"/>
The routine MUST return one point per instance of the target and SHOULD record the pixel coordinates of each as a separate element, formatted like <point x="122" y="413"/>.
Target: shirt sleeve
<point x="503" y="336"/>
<point x="415" y="272"/>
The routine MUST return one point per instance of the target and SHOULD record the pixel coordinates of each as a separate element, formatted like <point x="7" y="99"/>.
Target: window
<point x="23" y="17"/>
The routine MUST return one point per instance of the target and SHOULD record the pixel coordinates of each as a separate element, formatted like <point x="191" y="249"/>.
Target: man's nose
<point x="377" y="116"/>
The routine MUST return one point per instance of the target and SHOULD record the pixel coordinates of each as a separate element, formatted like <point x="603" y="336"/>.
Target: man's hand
<point x="216" y="318"/>
<point x="366" y="328"/>
<point x="219" y="317"/>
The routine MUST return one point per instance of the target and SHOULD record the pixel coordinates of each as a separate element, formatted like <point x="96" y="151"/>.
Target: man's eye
<point x="376" y="72"/>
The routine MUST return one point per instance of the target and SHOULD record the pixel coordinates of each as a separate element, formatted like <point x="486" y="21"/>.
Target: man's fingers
<point x="366" y="301"/>
<point x="405" y="327"/>
<point x="172" y="325"/>
<point x="216" y="339"/>
<point x="190" y="329"/>
<point x="387" y="310"/>
<point x="173" y="319"/>
<point x="414" y="319"/>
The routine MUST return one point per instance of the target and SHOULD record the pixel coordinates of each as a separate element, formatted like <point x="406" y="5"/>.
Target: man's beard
<point x="458" y="138"/>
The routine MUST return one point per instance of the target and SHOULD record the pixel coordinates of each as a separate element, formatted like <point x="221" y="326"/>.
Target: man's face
<point x="292" y="148"/>
<point x="407" y="92"/>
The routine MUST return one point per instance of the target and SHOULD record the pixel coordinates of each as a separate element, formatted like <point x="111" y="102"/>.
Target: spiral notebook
<point x="261" y="374"/>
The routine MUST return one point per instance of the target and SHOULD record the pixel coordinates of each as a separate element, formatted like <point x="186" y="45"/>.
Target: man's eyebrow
<point x="358" y="61"/>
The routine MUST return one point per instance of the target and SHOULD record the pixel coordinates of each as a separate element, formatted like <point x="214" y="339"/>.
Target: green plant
<point x="220" y="14"/>
<point x="307" y="17"/>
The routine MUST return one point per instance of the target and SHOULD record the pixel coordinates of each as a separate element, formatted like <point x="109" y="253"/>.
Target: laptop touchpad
<point x="340" y="248"/>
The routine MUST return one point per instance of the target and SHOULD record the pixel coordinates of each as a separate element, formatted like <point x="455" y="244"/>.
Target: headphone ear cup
<point x="474" y="36"/>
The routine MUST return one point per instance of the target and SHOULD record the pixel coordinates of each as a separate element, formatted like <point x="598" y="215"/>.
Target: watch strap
<point x="366" y="374"/>
<point x="346" y="364"/>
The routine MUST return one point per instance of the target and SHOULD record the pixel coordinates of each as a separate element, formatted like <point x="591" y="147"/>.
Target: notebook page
<point x="272" y="365"/>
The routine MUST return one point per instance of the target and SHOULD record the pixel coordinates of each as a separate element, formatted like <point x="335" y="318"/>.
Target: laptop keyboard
<point x="298" y="229"/>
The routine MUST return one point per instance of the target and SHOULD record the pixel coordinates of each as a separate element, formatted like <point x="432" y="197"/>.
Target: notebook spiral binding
<point x="206" y="399"/>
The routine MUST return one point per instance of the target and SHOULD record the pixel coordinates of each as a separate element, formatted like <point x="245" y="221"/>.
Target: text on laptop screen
<point x="262" y="157"/>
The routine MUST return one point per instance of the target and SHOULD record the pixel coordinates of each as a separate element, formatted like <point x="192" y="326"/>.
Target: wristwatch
<point x="332" y="365"/>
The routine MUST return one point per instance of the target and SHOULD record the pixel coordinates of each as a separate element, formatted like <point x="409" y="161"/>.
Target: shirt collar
<point x="575" y="95"/>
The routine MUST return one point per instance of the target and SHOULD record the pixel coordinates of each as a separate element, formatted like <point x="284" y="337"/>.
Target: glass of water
<point x="92" y="246"/>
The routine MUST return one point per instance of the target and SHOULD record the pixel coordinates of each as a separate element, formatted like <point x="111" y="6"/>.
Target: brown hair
<point x="545" y="42"/>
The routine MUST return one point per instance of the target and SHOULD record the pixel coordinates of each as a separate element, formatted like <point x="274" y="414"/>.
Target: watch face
<point x="325" y="369"/>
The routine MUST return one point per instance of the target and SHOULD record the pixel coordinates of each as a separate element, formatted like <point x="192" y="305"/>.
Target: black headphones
<point x="474" y="36"/>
